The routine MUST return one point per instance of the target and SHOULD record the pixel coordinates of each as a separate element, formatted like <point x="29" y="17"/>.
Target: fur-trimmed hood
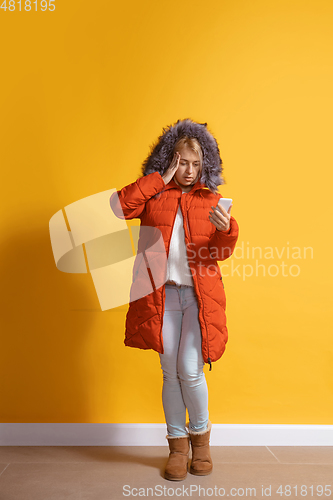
<point x="161" y="152"/>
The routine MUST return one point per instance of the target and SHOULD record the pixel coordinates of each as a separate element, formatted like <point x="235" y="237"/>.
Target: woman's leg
<point x="190" y="363"/>
<point x="172" y="398"/>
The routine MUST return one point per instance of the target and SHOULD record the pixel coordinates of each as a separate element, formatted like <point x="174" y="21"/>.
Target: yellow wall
<point x="84" y="91"/>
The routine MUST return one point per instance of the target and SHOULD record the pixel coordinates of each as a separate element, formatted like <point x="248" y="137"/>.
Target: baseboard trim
<point x="57" y="434"/>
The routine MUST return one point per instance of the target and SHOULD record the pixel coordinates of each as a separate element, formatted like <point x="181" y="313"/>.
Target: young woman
<point x="182" y="316"/>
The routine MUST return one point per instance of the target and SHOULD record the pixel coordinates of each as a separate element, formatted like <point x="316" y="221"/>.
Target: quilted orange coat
<point x="144" y="320"/>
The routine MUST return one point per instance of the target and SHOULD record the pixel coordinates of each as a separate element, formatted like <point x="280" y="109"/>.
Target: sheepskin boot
<point x="202" y="464"/>
<point x="176" y="467"/>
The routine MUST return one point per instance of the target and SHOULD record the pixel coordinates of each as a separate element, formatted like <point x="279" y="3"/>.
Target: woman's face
<point x="189" y="169"/>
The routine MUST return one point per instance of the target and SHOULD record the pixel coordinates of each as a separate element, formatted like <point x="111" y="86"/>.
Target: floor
<point x="112" y="473"/>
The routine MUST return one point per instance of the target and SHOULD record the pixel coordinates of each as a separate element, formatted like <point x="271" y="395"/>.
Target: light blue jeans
<point x="184" y="382"/>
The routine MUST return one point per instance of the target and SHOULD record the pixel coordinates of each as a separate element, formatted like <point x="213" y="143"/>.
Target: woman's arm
<point x="222" y="243"/>
<point x="129" y="202"/>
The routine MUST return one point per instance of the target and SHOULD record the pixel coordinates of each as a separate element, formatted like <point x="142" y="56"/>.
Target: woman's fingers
<point x="170" y="172"/>
<point x="223" y="210"/>
<point x="217" y="217"/>
<point x="223" y="217"/>
<point x="175" y="161"/>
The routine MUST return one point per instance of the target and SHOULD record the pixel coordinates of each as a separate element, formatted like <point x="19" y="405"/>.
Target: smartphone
<point x="225" y="202"/>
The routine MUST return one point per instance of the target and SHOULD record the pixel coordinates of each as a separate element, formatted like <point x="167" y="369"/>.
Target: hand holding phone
<point x="220" y="216"/>
<point x="225" y="203"/>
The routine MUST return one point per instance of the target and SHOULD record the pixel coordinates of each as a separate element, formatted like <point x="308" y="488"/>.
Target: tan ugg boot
<point x="176" y="467"/>
<point x="201" y="464"/>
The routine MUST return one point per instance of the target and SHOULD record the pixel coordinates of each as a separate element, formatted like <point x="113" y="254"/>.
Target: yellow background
<point x="84" y="91"/>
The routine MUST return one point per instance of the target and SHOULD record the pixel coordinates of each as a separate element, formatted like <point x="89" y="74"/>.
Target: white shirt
<point x="177" y="266"/>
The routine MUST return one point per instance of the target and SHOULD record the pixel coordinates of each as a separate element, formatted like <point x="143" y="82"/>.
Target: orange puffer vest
<point x="205" y="245"/>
